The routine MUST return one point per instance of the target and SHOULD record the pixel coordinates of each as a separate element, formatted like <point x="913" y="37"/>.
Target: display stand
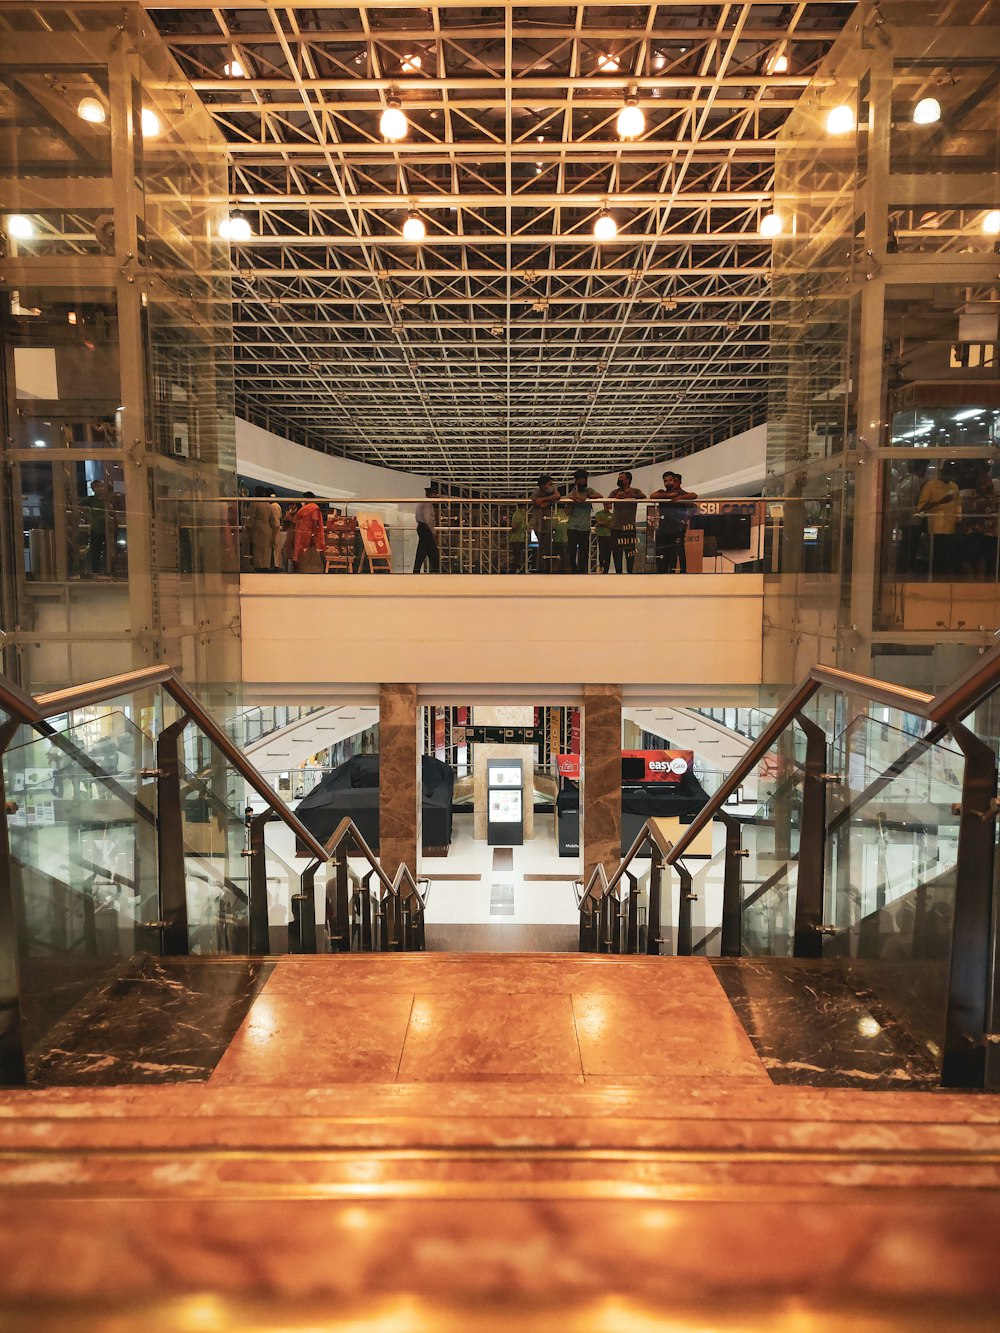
<point x="505" y="802"/>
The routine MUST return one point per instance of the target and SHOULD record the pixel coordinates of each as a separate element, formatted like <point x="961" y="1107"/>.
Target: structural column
<point x="399" y="777"/>
<point x="601" y="777"/>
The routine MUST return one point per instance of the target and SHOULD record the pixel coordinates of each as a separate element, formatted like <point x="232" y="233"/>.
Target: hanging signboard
<point x="498" y="735"/>
<point x="568" y="766"/>
<point x="663" y="765"/>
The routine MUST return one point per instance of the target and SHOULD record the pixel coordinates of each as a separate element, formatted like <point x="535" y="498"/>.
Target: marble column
<point x="503" y="717"/>
<point x="399" y="777"/>
<point x="601" y="777"/>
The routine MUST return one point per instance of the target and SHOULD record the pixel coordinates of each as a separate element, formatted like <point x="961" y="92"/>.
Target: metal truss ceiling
<point x="509" y="342"/>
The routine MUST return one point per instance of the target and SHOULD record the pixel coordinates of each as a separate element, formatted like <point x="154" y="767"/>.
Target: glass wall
<point x="116" y="339"/>
<point x="884" y="345"/>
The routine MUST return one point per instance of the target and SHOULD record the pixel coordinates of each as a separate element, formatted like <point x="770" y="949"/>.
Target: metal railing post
<point x="260" y="933"/>
<point x="808" y="939"/>
<point x="972" y="939"/>
<point x="173" y="914"/>
<point x="13" y="1070"/>
<point x="653" y="910"/>
<point x="731" y="945"/>
<point x="685" y="940"/>
<point x="304" y="908"/>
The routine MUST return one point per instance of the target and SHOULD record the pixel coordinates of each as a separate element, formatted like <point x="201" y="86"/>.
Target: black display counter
<point x="352" y="791"/>
<point x="640" y="801"/>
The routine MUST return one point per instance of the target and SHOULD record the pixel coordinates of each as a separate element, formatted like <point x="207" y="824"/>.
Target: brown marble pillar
<point x="399" y="777"/>
<point x="601" y="777"/>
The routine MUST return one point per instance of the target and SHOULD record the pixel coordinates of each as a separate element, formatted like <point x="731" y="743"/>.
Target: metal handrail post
<point x="653" y="910"/>
<point x="307" y="908"/>
<point x="808" y="939"/>
<point x="260" y="933"/>
<point x="731" y="945"/>
<point x="973" y="942"/>
<point x="13" y="1069"/>
<point x="171" y="878"/>
<point x="685" y="938"/>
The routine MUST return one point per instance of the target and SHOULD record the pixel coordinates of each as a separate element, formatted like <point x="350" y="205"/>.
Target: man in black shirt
<point x="671" y="526"/>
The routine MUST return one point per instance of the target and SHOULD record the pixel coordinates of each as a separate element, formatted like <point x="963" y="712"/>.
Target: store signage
<point x="568" y="766"/>
<point x="498" y="735"/>
<point x="663" y="765"/>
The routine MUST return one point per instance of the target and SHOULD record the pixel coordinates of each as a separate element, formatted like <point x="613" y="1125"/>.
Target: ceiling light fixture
<point x="235" y="228"/>
<point x="631" y="121"/>
<point x="659" y="60"/>
<point x="771" y="225"/>
<point x="778" y="64"/>
<point x="411" y="64"/>
<point x="19" y="227"/>
<point x="92" y="110"/>
<point x="608" y="62"/>
<point x="233" y="69"/>
<point x="991" y="223"/>
<point x="393" y="124"/>
<point x="150" y="123"/>
<point x="840" y="120"/>
<point x="413" y="228"/>
<point x="605" y="228"/>
<point x="927" y="111"/>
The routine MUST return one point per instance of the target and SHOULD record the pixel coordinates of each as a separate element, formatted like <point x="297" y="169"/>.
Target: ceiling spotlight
<point x="411" y="64"/>
<point x="605" y="228"/>
<point x="771" y="225"/>
<point x="233" y="69"/>
<point x="668" y="302"/>
<point x="393" y="124"/>
<point x="659" y="60"/>
<point x="840" y="120"/>
<point x="608" y="62"/>
<point x="496" y="330"/>
<point x="150" y="123"/>
<point x="927" y="111"/>
<point x="235" y="229"/>
<point x="413" y="228"/>
<point x="19" y="227"/>
<point x="777" y="64"/>
<point x="991" y="223"/>
<point x="732" y="325"/>
<point x="631" y="121"/>
<point x="92" y="109"/>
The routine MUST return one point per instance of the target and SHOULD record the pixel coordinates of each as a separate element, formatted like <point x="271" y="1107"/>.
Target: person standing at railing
<point x="310" y="538"/>
<point x="579" y="522"/>
<point x="940" y="501"/>
<point x="427" y="544"/>
<point x="979" y="526"/>
<point x="623" y="523"/>
<point x="602" y="531"/>
<point x="259" y="531"/>
<point x="544" y="499"/>
<point x="560" y="538"/>
<point x="517" y="541"/>
<point x="278" y="536"/>
<point x="672" y="524"/>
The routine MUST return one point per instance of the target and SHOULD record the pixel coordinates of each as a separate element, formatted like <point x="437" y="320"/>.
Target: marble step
<point x="671" y="1098"/>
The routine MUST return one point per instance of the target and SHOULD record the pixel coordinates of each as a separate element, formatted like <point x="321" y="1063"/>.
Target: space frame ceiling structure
<point x="509" y="342"/>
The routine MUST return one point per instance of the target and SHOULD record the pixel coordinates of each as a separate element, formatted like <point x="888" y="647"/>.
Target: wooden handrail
<point x="951" y="705"/>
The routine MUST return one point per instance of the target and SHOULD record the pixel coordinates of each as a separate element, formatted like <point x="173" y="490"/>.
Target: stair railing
<point x="388" y="919"/>
<point x="611" y="911"/>
<point x="971" y="1048"/>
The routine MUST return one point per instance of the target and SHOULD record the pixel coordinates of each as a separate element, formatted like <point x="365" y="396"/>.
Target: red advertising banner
<point x="663" y="765"/>
<point x="568" y="766"/>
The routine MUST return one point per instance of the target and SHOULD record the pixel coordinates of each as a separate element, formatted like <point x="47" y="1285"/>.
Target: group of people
<point x="562" y="526"/>
<point x="947" y="523"/>
<point x="554" y="531"/>
<point x="289" y="540"/>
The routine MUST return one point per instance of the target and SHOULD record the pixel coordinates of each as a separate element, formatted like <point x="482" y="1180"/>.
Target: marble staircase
<point x="479" y="1142"/>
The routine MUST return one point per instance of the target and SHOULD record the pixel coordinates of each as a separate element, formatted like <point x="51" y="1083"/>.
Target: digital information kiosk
<point x="504" y="819"/>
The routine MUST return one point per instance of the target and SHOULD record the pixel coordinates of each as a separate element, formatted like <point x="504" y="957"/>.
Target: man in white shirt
<point x="427" y="547"/>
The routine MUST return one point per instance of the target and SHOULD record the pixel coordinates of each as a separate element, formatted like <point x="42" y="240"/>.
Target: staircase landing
<point x="446" y="1142"/>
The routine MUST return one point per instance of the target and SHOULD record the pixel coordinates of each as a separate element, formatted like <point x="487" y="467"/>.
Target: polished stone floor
<point x="150" y="1021"/>
<point x="454" y="1017"/>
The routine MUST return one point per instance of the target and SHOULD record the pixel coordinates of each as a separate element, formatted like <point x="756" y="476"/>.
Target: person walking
<point x="624" y="541"/>
<point x="427" y="544"/>
<point x="581" y="510"/>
